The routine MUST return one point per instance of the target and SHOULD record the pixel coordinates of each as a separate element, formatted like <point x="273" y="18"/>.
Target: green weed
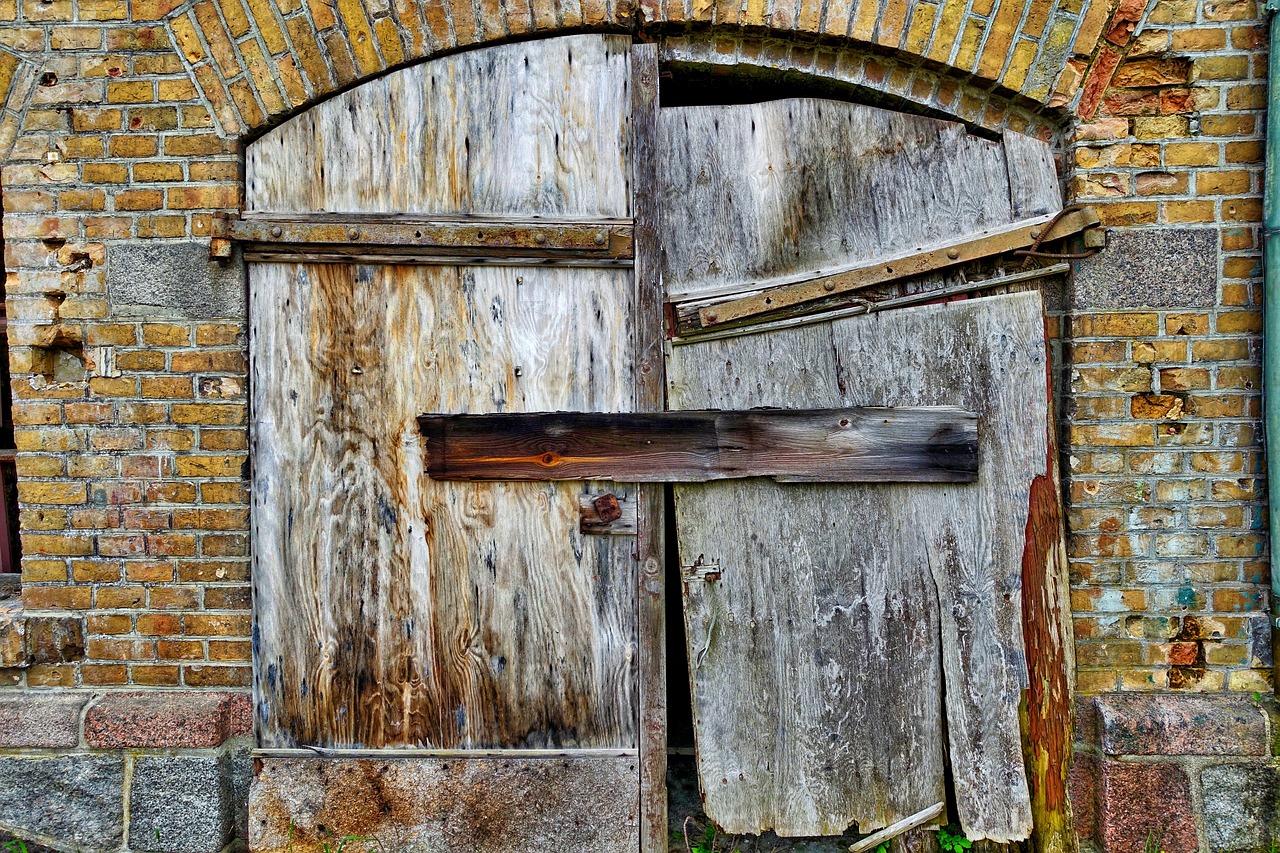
<point x="17" y="845"/>
<point x="951" y="839"/>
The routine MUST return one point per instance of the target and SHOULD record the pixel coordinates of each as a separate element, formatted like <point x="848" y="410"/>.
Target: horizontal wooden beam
<point x="342" y="237"/>
<point x="856" y="445"/>
<point x="777" y="296"/>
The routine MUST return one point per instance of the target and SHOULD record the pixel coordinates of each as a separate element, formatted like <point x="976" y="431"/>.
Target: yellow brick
<point x="35" y="492"/>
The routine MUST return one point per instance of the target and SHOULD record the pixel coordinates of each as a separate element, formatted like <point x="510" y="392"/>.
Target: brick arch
<point x="988" y="62"/>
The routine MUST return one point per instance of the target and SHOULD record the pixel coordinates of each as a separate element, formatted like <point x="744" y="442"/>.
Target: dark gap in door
<point x="687" y="84"/>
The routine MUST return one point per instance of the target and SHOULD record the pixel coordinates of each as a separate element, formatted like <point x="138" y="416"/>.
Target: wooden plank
<point x="462" y="805"/>
<point x="1048" y="713"/>
<point x="987" y="354"/>
<point x="450" y="238"/>
<point x="756" y="192"/>
<point x="853" y="445"/>
<point x="1033" y="180"/>
<point x="650" y="391"/>
<point x="481" y="754"/>
<point x="534" y="128"/>
<point x="773" y="297"/>
<point x="395" y="610"/>
<point x="902" y="826"/>
<point x="811" y="620"/>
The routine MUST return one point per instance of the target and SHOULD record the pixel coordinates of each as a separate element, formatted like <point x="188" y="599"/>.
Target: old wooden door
<point x="445" y="239"/>
<point x="845" y="641"/>
<point x="469" y="665"/>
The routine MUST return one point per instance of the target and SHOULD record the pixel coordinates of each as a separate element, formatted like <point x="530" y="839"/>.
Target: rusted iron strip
<point x="925" y="296"/>
<point x="772" y="297"/>
<point x="855" y="445"/>
<point x="337" y="237"/>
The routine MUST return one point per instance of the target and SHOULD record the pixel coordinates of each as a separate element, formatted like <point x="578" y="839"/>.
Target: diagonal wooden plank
<point x="853" y="445"/>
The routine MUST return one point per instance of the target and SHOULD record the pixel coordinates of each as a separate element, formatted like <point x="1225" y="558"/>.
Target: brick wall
<point x="1166" y="473"/>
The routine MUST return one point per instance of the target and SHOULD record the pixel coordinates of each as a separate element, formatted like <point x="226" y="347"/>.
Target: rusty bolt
<point x="829" y="286"/>
<point x="607" y="508"/>
<point x="276" y="231"/>
<point x="711" y="318"/>
<point x="600" y="238"/>
<point x="539" y="237"/>
<point x="354" y="234"/>
<point x="953" y="253"/>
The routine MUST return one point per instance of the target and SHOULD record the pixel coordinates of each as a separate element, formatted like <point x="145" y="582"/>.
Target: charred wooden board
<point x="855" y="445"/>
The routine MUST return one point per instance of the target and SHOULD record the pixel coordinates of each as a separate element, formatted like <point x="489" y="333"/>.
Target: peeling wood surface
<point x="533" y="128"/>
<point x="991" y="353"/>
<point x="465" y="805"/>
<point x="393" y="610"/>
<point x="1033" y="179"/>
<point x="855" y="445"/>
<point x="396" y="610"/>
<point x="844" y="666"/>
<point x="760" y="191"/>
<point x="1049" y="709"/>
<point x="812" y="627"/>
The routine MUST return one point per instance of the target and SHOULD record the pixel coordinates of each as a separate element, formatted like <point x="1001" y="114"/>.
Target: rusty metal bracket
<point x="220" y="237"/>
<point x="1049" y="233"/>
<point x="348" y="237"/>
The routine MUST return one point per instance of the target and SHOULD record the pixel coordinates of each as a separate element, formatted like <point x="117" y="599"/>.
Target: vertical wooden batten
<point x="649" y="397"/>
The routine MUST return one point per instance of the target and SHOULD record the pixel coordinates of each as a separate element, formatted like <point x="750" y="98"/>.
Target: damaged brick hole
<point x="48" y="78"/>
<point x="1186" y="655"/>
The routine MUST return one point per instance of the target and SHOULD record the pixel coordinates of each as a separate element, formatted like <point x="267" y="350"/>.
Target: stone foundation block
<point x="1241" y="806"/>
<point x="1137" y="802"/>
<point x="181" y="804"/>
<point x="40" y="720"/>
<point x="158" y="719"/>
<point x="162" y="279"/>
<point x="75" y="801"/>
<point x="1181" y="725"/>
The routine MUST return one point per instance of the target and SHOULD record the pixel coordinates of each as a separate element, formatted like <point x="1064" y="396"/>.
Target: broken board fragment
<point x="851" y="445"/>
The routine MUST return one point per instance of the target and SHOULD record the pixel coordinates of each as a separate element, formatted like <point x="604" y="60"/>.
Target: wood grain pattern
<point x="873" y="551"/>
<point x="813" y="645"/>
<point x="534" y="128"/>
<point x="394" y="610"/>
<point x="1033" y="178"/>
<point x="760" y="191"/>
<point x="650" y="396"/>
<point x="857" y="445"/>
<point x="989" y="352"/>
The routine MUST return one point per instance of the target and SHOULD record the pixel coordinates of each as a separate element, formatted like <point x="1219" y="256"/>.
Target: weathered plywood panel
<point x="988" y="354"/>
<point x="531" y="128"/>
<point x="1033" y="178"/>
<point x="460" y="805"/>
<point x="829" y="608"/>
<point x="812" y="626"/>
<point x="761" y="191"/>
<point x="394" y="610"/>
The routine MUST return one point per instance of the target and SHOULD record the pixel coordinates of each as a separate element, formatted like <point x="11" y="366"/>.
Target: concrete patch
<point x="464" y="805"/>
<point x="76" y="799"/>
<point x="1149" y="268"/>
<point x="169" y="279"/>
<point x="1241" y="806"/>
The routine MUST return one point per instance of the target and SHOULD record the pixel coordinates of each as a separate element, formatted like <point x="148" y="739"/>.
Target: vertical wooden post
<point x="650" y="392"/>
